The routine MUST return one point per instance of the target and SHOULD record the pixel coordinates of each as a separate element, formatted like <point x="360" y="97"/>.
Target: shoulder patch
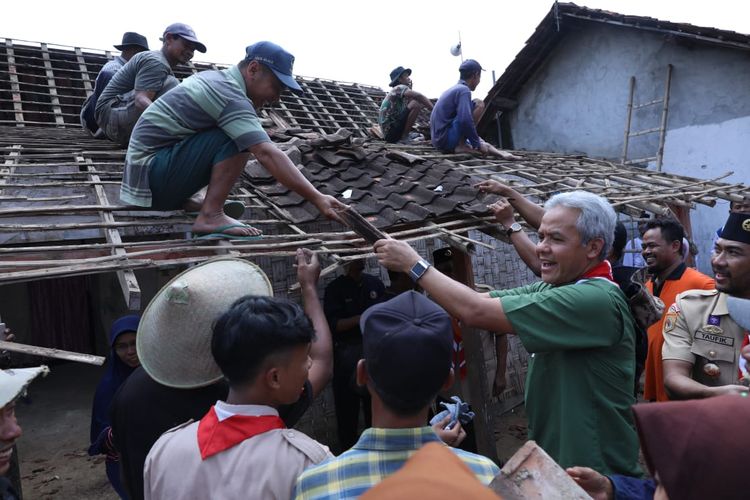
<point x="307" y="445"/>
<point x="696" y="294"/>
<point x="674" y="309"/>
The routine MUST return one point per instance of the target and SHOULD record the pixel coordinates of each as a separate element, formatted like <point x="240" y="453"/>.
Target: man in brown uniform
<point x="702" y="337"/>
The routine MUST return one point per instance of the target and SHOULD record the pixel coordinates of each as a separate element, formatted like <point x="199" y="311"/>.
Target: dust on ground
<point x="56" y="419"/>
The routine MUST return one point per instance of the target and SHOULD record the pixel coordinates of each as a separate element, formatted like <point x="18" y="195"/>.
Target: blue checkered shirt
<point x="378" y="454"/>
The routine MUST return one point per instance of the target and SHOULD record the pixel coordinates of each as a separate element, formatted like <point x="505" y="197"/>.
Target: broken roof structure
<point x="61" y="214"/>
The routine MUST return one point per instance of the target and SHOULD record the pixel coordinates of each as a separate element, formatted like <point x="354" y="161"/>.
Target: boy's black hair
<point x="671" y="230"/>
<point x="254" y="328"/>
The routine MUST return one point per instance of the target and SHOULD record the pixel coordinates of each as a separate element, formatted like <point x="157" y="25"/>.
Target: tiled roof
<point x="44" y="85"/>
<point x="565" y="18"/>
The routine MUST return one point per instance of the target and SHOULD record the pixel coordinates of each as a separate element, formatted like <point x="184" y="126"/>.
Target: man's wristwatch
<point x="418" y="269"/>
<point x="514" y="228"/>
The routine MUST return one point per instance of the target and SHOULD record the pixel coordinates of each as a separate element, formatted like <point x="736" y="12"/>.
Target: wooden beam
<point x="56" y="109"/>
<point x="504" y="103"/>
<point x="84" y="72"/>
<point x="14" y="86"/>
<point x="52" y="353"/>
<point x="128" y="282"/>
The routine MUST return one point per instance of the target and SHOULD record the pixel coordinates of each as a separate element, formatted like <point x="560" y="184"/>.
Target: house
<point x="568" y="91"/>
<point x="72" y="257"/>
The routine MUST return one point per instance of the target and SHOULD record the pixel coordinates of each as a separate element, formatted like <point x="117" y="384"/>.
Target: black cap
<point x="408" y="347"/>
<point x="737" y="228"/>
<point x="131" y="38"/>
<point x="396" y="74"/>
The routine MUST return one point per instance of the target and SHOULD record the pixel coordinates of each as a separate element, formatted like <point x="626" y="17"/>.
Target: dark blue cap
<point x="132" y="39"/>
<point x="737" y="228"/>
<point x="184" y="31"/>
<point x="277" y="59"/>
<point x="470" y="65"/>
<point x="408" y="346"/>
<point x="396" y="74"/>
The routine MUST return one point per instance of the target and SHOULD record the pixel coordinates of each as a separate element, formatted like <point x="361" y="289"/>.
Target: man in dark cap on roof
<point x="454" y="118"/>
<point x="705" y="330"/>
<point x="202" y="134"/>
<point x="132" y="43"/>
<point x="146" y="77"/>
<point x="401" y="107"/>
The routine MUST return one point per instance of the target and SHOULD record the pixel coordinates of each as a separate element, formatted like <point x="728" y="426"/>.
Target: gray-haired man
<point x="577" y="325"/>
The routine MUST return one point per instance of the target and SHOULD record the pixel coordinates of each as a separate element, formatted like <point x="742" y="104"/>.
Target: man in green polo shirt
<point x="575" y="323"/>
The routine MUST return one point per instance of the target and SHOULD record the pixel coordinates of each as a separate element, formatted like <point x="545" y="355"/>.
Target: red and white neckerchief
<point x="602" y="270"/>
<point x="225" y="426"/>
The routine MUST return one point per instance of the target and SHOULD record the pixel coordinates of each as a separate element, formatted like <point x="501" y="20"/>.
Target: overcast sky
<point x="352" y="40"/>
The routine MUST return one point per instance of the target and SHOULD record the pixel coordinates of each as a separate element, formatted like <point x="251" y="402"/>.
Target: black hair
<point x="253" y="329"/>
<point x="621" y="238"/>
<point x="467" y="73"/>
<point x="671" y="230"/>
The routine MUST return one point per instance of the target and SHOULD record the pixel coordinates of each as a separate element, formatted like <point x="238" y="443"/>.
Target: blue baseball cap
<point x="277" y="59"/>
<point x="470" y="65"/>
<point x="184" y="31"/>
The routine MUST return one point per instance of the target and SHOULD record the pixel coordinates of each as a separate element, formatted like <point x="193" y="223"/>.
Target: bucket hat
<point x="130" y="38"/>
<point x="174" y="335"/>
<point x="13" y="382"/>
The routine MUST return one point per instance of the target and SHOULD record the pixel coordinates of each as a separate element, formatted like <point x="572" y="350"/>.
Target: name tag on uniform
<point x="710" y="335"/>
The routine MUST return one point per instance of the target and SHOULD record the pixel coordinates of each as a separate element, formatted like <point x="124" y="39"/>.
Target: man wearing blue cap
<point x="454" y="118"/>
<point x="408" y="354"/>
<point x="132" y="43"/>
<point x="146" y="77"/>
<point x="401" y="107"/>
<point x="202" y="134"/>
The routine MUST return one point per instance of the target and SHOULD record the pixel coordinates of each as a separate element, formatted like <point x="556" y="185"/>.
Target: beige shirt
<point x="264" y="466"/>
<point x="699" y="330"/>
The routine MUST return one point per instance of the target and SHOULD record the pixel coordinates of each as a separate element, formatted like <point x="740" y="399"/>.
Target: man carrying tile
<point x="132" y="43"/>
<point x="577" y="325"/>
<point x="454" y="117"/>
<point x="145" y="78"/>
<point x="202" y="134"/>
<point x="401" y="107"/>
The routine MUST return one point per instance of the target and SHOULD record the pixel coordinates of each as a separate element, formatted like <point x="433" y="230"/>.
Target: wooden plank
<point x="57" y="110"/>
<point x="9" y="165"/>
<point x="339" y="106"/>
<point x="52" y="353"/>
<point x="87" y="86"/>
<point x="321" y="106"/>
<point x="15" y="88"/>
<point x="476" y="368"/>
<point x="128" y="282"/>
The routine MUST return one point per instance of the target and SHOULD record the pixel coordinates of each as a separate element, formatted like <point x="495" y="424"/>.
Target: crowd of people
<point x="203" y="390"/>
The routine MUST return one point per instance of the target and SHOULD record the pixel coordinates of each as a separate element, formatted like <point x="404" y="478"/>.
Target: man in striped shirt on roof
<point x="202" y="132"/>
<point x="408" y="354"/>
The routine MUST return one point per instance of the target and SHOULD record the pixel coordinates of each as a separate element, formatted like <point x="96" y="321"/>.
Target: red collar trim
<point x="601" y="270"/>
<point x="215" y="436"/>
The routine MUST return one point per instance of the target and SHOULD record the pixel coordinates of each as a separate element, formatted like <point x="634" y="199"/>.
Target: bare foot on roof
<point x="222" y="223"/>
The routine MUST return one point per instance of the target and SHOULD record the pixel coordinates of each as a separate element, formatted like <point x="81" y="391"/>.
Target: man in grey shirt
<point x="144" y="78"/>
<point x="132" y="43"/>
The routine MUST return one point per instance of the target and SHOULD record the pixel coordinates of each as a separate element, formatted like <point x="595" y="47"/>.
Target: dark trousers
<point x="347" y="396"/>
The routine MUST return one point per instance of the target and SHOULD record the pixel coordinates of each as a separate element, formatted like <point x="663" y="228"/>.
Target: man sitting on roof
<point x="146" y="77"/>
<point x="203" y="132"/>
<point x="132" y="43"/>
<point x="401" y="106"/>
<point x="454" y="117"/>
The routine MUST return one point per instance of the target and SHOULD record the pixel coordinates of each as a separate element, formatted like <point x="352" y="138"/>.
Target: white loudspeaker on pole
<point x="456" y="49"/>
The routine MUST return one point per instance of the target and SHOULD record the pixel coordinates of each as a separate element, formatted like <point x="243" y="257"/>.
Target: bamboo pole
<point x="48" y="352"/>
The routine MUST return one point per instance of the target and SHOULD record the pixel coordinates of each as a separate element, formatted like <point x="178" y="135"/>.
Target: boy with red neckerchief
<point x="241" y="448"/>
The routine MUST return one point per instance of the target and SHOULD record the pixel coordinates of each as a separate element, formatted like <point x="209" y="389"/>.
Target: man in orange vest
<point x="662" y="252"/>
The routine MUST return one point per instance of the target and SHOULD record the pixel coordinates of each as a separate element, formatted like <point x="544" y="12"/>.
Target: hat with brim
<point x="184" y="31"/>
<point x="132" y="39"/>
<point x="174" y="335"/>
<point x="396" y="74"/>
<point x="13" y="382"/>
<point x="277" y="60"/>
